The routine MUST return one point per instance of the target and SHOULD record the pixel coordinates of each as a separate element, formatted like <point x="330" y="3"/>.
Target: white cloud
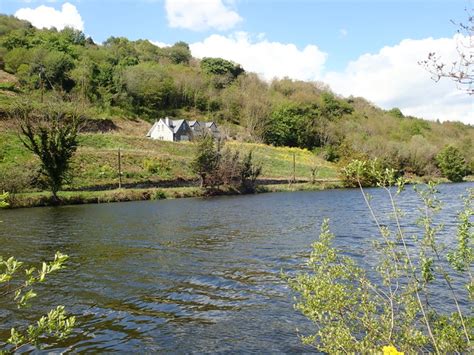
<point x="160" y="44"/>
<point x="393" y="78"/>
<point x="47" y="17"/>
<point x="199" y="15"/>
<point x="268" y="59"/>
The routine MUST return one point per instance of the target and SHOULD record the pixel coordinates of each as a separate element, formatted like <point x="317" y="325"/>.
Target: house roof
<point x="151" y="129"/>
<point x="175" y="125"/>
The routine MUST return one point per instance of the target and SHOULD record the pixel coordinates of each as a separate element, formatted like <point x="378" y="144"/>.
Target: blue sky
<point x="355" y="46"/>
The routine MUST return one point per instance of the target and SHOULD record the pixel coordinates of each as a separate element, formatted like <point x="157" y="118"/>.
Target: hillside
<point x="124" y="85"/>
<point x="145" y="162"/>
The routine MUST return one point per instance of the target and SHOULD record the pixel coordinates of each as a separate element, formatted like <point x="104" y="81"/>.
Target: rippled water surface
<point x="191" y="275"/>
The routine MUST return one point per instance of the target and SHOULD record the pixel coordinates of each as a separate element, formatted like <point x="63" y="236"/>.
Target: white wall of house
<point x="162" y="132"/>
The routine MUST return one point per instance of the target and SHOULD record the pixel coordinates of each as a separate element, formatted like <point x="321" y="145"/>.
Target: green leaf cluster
<point x="355" y="313"/>
<point x="217" y="167"/>
<point x="452" y="163"/>
<point x="18" y="286"/>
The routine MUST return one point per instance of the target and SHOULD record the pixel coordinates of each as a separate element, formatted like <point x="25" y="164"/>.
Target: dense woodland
<point x="136" y="79"/>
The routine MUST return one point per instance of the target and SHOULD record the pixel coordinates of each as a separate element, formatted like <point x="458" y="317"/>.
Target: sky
<point x="368" y="48"/>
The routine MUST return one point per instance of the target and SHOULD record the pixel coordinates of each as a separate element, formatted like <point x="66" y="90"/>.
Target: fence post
<point x="120" y="168"/>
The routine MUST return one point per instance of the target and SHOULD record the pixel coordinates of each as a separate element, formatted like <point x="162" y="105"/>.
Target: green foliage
<point x="362" y="173"/>
<point x="16" y="282"/>
<point x="333" y="107"/>
<point x="218" y="167"/>
<point x="50" y="134"/>
<point x="285" y="124"/>
<point x="158" y="166"/>
<point x="179" y="53"/>
<point x="396" y="112"/>
<point x="150" y="88"/>
<point x="249" y="172"/>
<point x="462" y="257"/>
<point x="355" y="313"/>
<point x="11" y="23"/>
<point x="452" y="163"/>
<point x="219" y="66"/>
<point x="4" y="200"/>
<point x="206" y="160"/>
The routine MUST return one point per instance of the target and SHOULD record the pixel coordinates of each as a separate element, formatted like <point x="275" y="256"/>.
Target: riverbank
<point x="43" y="199"/>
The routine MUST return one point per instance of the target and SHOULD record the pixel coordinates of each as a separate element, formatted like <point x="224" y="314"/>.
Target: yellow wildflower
<point x="391" y="350"/>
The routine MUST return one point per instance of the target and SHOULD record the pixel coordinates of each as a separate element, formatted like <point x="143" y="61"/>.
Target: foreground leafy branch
<point x="391" y="307"/>
<point x="16" y="284"/>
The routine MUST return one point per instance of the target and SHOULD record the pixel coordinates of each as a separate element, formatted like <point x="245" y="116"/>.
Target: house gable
<point x="180" y="130"/>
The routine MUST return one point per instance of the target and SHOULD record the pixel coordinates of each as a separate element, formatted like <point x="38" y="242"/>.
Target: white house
<point x="181" y="130"/>
<point x="166" y="129"/>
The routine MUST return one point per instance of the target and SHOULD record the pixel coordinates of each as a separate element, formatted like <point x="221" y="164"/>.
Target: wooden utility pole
<point x="294" y="168"/>
<point x="120" y="168"/>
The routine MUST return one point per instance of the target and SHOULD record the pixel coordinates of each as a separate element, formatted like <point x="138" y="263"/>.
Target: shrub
<point x="159" y="195"/>
<point x="206" y="160"/>
<point x="452" y="163"/>
<point x="361" y="173"/>
<point x="249" y="172"/>
<point x="355" y="312"/>
<point x="218" y="167"/>
<point x="157" y="166"/>
<point x="4" y="200"/>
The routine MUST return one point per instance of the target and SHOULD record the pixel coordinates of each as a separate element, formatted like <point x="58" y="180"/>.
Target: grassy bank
<point x="41" y="199"/>
<point x="145" y="163"/>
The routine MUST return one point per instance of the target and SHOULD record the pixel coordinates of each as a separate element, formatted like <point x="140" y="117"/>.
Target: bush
<point x="355" y="312"/>
<point x="157" y="166"/>
<point x="218" y="167"/>
<point x="4" y="200"/>
<point x="363" y="173"/>
<point x="452" y="163"/>
<point x="16" y="180"/>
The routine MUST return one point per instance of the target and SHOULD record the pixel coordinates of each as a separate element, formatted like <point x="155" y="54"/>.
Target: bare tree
<point x="462" y="70"/>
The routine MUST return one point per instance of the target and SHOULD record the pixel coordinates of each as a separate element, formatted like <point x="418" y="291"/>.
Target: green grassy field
<point x="144" y="162"/>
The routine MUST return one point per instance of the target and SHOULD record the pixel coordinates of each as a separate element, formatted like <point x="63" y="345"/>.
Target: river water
<point x="192" y="275"/>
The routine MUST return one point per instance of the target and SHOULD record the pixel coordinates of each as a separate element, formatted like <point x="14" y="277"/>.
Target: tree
<point x="249" y="172"/>
<point x="179" y="53"/>
<point x="206" y="161"/>
<point x="51" y="134"/>
<point x="462" y="70"/>
<point x="222" y="72"/>
<point x="452" y="163"/>
<point x="219" y="167"/>
<point x="150" y="87"/>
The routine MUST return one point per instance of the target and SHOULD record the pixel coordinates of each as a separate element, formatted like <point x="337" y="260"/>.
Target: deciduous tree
<point x="51" y="134"/>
